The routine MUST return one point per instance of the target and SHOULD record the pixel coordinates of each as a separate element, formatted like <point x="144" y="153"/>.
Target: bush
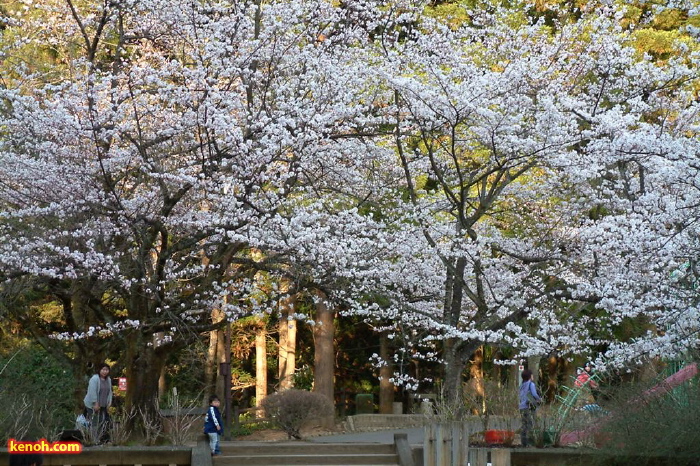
<point x="646" y="430"/>
<point x="36" y="395"/>
<point x="178" y="426"/>
<point x="291" y="409"/>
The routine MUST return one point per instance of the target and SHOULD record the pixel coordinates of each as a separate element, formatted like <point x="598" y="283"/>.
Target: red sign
<point x="122" y="383"/>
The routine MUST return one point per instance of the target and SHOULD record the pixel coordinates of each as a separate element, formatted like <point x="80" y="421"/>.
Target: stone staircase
<point x="306" y="454"/>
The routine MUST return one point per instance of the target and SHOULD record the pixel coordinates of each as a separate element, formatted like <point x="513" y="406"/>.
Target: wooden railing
<point x="447" y="444"/>
<point x="237" y="422"/>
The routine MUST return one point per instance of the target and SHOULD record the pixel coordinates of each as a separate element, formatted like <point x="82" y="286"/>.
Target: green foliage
<point x="242" y="378"/>
<point x="250" y="424"/>
<point x="243" y="430"/>
<point x="647" y="428"/>
<point x="36" y="394"/>
<point x="670" y="19"/>
<point x="186" y="371"/>
<point x="304" y="377"/>
<point x="453" y="14"/>
<point x="659" y="44"/>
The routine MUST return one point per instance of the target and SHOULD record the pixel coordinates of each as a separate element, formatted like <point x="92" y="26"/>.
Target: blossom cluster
<point x="481" y="184"/>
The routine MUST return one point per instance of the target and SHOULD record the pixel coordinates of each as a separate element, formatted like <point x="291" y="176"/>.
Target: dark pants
<point x="100" y="424"/>
<point x="527" y="424"/>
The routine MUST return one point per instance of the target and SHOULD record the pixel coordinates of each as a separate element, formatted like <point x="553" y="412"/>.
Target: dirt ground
<point x="271" y="435"/>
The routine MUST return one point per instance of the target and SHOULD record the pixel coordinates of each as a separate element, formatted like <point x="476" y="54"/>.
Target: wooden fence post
<point x="441" y="458"/>
<point x="500" y="457"/>
<point x="236" y="419"/>
<point x="403" y="449"/>
<point x="460" y="444"/>
<point x="446" y="444"/>
<point x="429" y="445"/>
<point x="478" y="456"/>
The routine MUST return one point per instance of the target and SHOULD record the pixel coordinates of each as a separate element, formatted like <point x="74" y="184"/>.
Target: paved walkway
<point x="415" y="436"/>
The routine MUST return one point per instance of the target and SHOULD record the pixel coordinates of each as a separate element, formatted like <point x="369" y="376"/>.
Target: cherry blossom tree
<point x="501" y="181"/>
<point x="138" y="175"/>
<point x="540" y="203"/>
<point x="512" y="145"/>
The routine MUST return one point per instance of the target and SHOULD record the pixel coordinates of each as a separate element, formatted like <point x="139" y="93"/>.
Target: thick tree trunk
<point x="553" y="377"/>
<point x="476" y="373"/>
<point x="260" y="366"/>
<point x="323" y="349"/>
<point x="282" y="336"/>
<point x="143" y="368"/>
<point x="212" y="358"/>
<point x="386" y="388"/>
<point x="533" y="363"/>
<point x="162" y="383"/>
<point x="454" y="365"/>
<point x="210" y="363"/>
<point x="287" y="343"/>
<point x="220" y="358"/>
<point x="515" y="378"/>
<point x="454" y="349"/>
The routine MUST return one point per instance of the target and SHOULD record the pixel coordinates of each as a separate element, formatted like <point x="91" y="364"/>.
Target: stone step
<point x="307" y="460"/>
<point x="306" y="447"/>
<point x="306" y="454"/>
<point x="218" y="461"/>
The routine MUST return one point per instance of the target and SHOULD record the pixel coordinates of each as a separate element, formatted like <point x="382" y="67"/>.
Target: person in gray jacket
<point x="97" y="399"/>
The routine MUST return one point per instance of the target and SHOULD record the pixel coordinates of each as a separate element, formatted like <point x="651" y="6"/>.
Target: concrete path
<point x="415" y="436"/>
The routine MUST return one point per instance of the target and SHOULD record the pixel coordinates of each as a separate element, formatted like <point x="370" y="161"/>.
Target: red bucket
<point x="499" y="437"/>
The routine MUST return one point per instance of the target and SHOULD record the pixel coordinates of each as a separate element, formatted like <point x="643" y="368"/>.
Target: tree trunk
<point x="476" y="372"/>
<point x="162" y="383"/>
<point x="143" y="368"/>
<point x="454" y="349"/>
<point x="553" y="377"/>
<point x="221" y="358"/>
<point x="533" y="363"/>
<point x="282" y="337"/>
<point x="386" y="388"/>
<point x="323" y="349"/>
<point x="260" y="366"/>
<point x="211" y="361"/>
<point x="287" y="343"/>
<point x="515" y="376"/>
<point x="454" y="365"/>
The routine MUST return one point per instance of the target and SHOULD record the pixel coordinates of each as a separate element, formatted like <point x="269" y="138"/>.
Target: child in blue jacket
<point x="213" y="425"/>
